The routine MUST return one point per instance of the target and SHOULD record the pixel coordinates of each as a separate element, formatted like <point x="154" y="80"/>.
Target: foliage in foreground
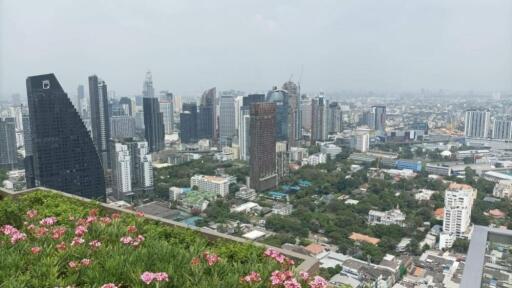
<point x="47" y="240"/>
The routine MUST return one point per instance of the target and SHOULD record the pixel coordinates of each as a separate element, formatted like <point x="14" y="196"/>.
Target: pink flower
<point x="105" y="220"/>
<point x="40" y="232"/>
<point x="318" y="282"/>
<point x="279" y="277"/>
<point x="139" y="214"/>
<point x="211" y="258"/>
<point x="90" y="219"/>
<point x="251" y="278"/>
<point x="126" y="240"/>
<point x="292" y="283"/>
<point x="57" y="233"/>
<point x="304" y="275"/>
<point x="80" y="230"/>
<point x="61" y="246"/>
<point x="17" y="236"/>
<point x="73" y="264"/>
<point x="132" y="229"/>
<point x="31" y="213"/>
<point x="8" y="229"/>
<point x="147" y="277"/>
<point x="115" y="216"/>
<point x="86" y="262"/>
<point x="195" y="261"/>
<point x="93" y="212"/>
<point x="31" y="227"/>
<point x="109" y="285"/>
<point x="95" y="244"/>
<point x="48" y="221"/>
<point x="161" y="276"/>
<point x="36" y="250"/>
<point x="77" y="241"/>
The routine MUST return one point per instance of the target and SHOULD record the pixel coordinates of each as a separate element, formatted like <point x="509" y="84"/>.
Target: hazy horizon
<point x="253" y="45"/>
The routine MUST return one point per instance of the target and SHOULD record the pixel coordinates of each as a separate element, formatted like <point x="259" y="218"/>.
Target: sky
<point x="192" y="45"/>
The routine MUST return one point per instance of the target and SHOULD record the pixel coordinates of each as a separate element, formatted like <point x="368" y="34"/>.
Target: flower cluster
<point x="286" y="279"/>
<point x="14" y="233"/>
<point x="48" y="221"/>
<point x="251" y="278"/>
<point x="95" y="244"/>
<point x="31" y="213"/>
<point x="278" y="256"/>
<point x="86" y="262"/>
<point x="149" y="277"/>
<point x="58" y="232"/>
<point x="135" y="242"/>
<point x="211" y="258"/>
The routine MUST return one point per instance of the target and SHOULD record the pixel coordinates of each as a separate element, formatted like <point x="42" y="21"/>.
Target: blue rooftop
<point x="304" y="183"/>
<point x="191" y="221"/>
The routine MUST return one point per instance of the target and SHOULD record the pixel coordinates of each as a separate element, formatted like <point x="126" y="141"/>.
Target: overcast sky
<point x="252" y="45"/>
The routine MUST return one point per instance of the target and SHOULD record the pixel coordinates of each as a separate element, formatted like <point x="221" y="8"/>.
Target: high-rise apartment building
<point x="100" y="118"/>
<point x="458" y="202"/>
<point x="244" y="135"/>
<point x="502" y="129"/>
<point x="305" y="108"/>
<point x="378" y="119"/>
<point x="63" y="154"/>
<point x="80" y="98"/>
<point x="295" y="115"/>
<point x="208" y="115"/>
<point x="334" y="118"/>
<point x="476" y="123"/>
<point x="8" y="149"/>
<point x="189" y="123"/>
<point x="282" y="160"/>
<point x="167" y="108"/>
<point x="227" y="119"/>
<point x="362" y="140"/>
<point x="142" y="167"/>
<point x="122" y="127"/>
<point x="121" y="170"/>
<point x="281" y="99"/>
<point x="319" y="118"/>
<point x="262" y="163"/>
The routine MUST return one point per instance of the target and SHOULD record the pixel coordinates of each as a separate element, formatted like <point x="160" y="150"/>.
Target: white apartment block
<point x="458" y="202"/>
<point x="315" y="159"/>
<point x="503" y="189"/>
<point x="298" y="153"/>
<point x="362" y="140"/>
<point x="390" y="217"/>
<point x="121" y="171"/>
<point x="282" y="209"/>
<point x="219" y="185"/>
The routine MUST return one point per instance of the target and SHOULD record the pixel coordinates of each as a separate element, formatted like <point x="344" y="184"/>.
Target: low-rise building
<point x="503" y="189"/>
<point x="247" y="207"/>
<point x="438" y="169"/>
<point x="282" y="209"/>
<point x="246" y="193"/>
<point x="315" y="159"/>
<point x="216" y="184"/>
<point x="390" y="217"/>
<point x="330" y="149"/>
<point x="424" y="194"/>
<point x="297" y="154"/>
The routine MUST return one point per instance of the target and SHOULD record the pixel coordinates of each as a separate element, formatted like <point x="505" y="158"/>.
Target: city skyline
<point x="388" y="47"/>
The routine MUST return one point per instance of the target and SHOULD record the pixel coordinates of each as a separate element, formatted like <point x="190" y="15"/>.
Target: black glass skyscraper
<point x="63" y="154"/>
<point x="153" y="124"/>
<point x="188" y="123"/>
<point x="281" y="98"/>
<point x="208" y="115"/>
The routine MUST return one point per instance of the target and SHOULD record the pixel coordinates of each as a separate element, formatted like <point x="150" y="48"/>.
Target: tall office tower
<point x="142" y="168"/>
<point x="262" y="164"/>
<point x="64" y="155"/>
<point x="366" y="119"/>
<point x="295" y="115"/>
<point x="282" y="160"/>
<point x="281" y="99"/>
<point x="127" y="106"/>
<point x="208" y="115"/>
<point x="147" y="88"/>
<point x="334" y="118"/>
<point x="80" y="98"/>
<point x="238" y="106"/>
<point x="100" y="119"/>
<point x="244" y="125"/>
<point x="189" y="123"/>
<point x="166" y="105"/>
<point x="227" y="120"/>
<point x="319" y="107"/>
<point x="121" y="170"/>
<point x="27" y="140"/>
<point x="476" y="123"/>
<point x="122" y="127"/>
<point x="153" y="124"/>
<point x="379" y="119"/>
<point x="305" y="109"/>
<point x="177" y="104"/>
<point x="458" y="202"/>
<point x="8" y="151"/>
<point x="502" y="129"/>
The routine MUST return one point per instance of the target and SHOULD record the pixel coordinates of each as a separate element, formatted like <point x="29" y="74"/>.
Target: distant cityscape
<point x="404" y="179"/>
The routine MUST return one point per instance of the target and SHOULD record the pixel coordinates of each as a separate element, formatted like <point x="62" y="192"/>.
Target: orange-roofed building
<point x="363" y="238"/>
<point x="439" y="213"/>
<point x="315" y="249"/>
